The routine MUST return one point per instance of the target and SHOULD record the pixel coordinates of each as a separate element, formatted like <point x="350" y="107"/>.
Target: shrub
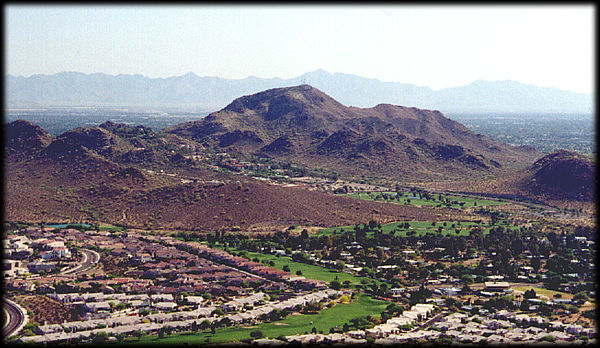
<point x="591" y="314"/>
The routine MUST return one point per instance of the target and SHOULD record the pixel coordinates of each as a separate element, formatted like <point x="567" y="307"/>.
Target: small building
<point x="165" y="305"/>
<point x="497" y="286"/>
<point x="37" y="266"/>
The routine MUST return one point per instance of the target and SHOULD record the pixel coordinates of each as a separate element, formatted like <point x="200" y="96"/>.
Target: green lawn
<point x="110" y="228"/>
<point x="308" y="271"/>
<point x="409" y="198"/>
<point x="420" y="228"/>
<point x="361" y="306"/>
<point x="545" y="292"/>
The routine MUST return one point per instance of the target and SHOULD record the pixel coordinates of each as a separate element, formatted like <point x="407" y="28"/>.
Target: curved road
<point x="16" y="318"/>
<point x="90" y="258"/>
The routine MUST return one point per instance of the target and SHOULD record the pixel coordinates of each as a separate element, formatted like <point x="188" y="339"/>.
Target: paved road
<point x="90" y="258"/>
<point x="16" y="318"/>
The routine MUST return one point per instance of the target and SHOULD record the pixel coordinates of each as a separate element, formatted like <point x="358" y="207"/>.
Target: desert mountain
<point x="562" y="178"/>
<point x="87" y="175"/>
<point x="561" y="175"/>
<point x="24" y="139"/>
<point x="213" y="93"/>
<point x="304" y="125"/>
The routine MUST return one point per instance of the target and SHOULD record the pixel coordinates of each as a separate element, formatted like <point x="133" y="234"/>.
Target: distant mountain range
<point x="213" y="93"/>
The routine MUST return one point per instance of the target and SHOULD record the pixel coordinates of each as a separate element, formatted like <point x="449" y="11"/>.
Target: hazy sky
<point x="431" y="46"/>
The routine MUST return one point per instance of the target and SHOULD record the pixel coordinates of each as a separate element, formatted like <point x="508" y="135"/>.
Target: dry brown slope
<point x="67" y="181"/>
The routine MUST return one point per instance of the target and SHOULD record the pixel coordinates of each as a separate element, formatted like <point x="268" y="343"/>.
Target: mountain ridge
<point x="213" y="93"/>
<point x="303" y="124"/>
<point x="77" y="177"/>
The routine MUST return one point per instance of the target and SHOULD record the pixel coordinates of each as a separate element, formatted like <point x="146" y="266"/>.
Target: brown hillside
<point x="302" y="124"/>
<point x="562" y="178"/>
<point x="24" y="139"/>
<point x="562" y="175"/>
<point x="70" y="179"/>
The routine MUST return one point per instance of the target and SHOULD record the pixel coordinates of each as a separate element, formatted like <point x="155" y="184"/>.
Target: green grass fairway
<point x="420" y="228"/>
<point x="545" y="292"/>
<point x="409" y="198"/>
<point x="110" y="228"/>
<point x="361" y="306"/>
<point x="308" y="271"/>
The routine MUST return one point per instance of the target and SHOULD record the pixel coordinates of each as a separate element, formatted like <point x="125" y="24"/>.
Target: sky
<point x="433" y="46"/>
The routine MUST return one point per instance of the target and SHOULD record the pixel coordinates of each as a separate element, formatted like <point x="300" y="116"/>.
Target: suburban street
<point x="90" y="258"/>
<point x="16" y="318"/>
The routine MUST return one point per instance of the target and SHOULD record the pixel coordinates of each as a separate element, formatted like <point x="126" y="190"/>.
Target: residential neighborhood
<point x="144" y="284"/>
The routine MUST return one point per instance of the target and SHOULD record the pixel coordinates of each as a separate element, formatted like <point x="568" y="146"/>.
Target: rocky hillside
<point x="563" y="178"/>
<point x="24" y="139"/>
<point x="302" y="124"/>
<point x="562" y="175"/>
<point x="81" y="176"/>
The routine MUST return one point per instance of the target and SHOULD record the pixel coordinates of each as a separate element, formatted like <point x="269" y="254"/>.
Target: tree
<point x="298" y="272"/>
<point x="304" y="235"/>
<point x="275" y="315"/>
<point x="372" y="224"/>
<point x="536" y="262"/>
<point x="344" y="299"/>
<point x="580" y="296"/>
<point x="466" y="289"/>
<point x="286" y="268"/>
<point x="529" y="294"/>
<point x="256" y="334"/>
<point x="100" y="337"/>
<point x="138" y="334"/>
<point x="517" y="247"/>
<point x="553" y="282"/>
<point x="346" y="327"/>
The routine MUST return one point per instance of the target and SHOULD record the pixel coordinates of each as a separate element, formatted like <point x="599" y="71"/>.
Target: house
<point x="449" y="291"/>
<point x="38" y="266"/>
<point x="496" y="286"/>
<point x="397" y="291"/>
<point x="310" y="284"/>
<point x="356" y="334"/>
<point x="97" y="306"/>
<point x="561" y="336"/>
<point x="194" y="299"/>
<point x="164" y="305"/>
<point x="143" y="257"/>
<point x="162" y="298"/>
<point x="382" y="330"/>
<point x="13" y="267"/>
<point x="48" y="329"/>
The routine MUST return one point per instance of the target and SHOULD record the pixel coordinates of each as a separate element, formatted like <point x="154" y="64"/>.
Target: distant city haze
<point x="434" y="46"/>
